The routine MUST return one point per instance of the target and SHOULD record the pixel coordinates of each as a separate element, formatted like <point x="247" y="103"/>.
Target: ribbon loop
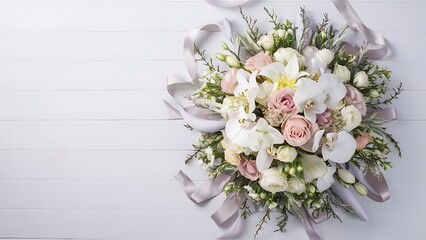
<point x="307" y="224"/>
<point x="347" y="11"/>
<point x="378" y="189"/>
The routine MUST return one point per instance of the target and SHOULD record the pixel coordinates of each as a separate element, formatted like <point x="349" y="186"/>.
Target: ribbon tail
<point x="378" y="189"/>
<point x="228" y="216"/>
<point x="205" y="192"/>
<point x="308" y="225"/>
<point x="348" y="198"/>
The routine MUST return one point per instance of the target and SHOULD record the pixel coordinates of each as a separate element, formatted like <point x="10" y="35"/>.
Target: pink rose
<point x="355" y="98"/>
<point x="324" y="119"/>
<point x="229" y="81"/>
<point x="248" y="169"/>
<point x="258" y="61"/>
<point x="283" y="101"/>
<point x="297" y="130"/>
<point x="362" y="141"/>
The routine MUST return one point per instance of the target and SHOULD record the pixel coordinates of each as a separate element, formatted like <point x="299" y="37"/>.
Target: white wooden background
<point x="87" y="152"/>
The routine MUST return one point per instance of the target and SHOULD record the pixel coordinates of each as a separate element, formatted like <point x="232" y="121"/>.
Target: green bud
<point x="323" y="37"/>
<point x="263" y="195"/>
<point x="232" y="61"/>
<point x="221" y="57"/>
<point x="225" y="46"/>
<point x="299" y="168"/>
<point x="311" y="188"/>
<point x="346" y="176"/>
<point x="361" y="189"/>
<point x="374" y="93"/>
<point x="292" y="171"/>
<point x="287" y="168"/>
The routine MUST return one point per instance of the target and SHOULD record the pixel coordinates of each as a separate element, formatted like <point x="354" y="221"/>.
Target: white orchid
<point x="262" y="137"/>
<point x="247" y="87"/>
<point x="283" y="76"/>
<point x="334" y="88"/>
<point x="314" y="98"/>
<point x="310" y="98"/>
<point x="337" y="147"/>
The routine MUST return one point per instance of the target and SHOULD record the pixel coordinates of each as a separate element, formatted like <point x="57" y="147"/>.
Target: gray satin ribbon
<point x="198" y="119"/>
<point x="228" y="216"/>
<point x="378" y="189"/>
<point x="387" y="114"/>
<point x="207" y="191"/>
<point x="234" y="3"/>
<point x="348" y="198"/>
<point x="308" y="224"/>
<point x="348" y="12"/>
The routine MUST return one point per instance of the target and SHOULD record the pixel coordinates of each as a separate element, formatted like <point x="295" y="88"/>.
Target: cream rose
<point x="284" y="55"/>
<point x="351" y="116"/>
<point x="361" y="79"/>
<point x="297" y="130"/>
<point x="342" y="72"/>
<point x="273" y="180"/>
<point x="325" y="55"/>
<point x="229" y="81"/>
<point x="232" y="157"/>
<point x="286" y="154"/>
<point x="258" y="61"/>
<point x="266" y="42"/>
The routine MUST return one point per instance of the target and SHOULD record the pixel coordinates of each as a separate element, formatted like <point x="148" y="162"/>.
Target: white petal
<point x="317" y="139"/>
<point x="335" y="89"/>
<point x="292" y="68"/>
<point x="263" y="159"/>
<point x="327" y="180"/>
<point x="306" y="89"/>
<point x="313" y="167"/>
<point x="273" y="70"/>
<point x="275" y="136"/>
<point x="343" y="150"/>
<point x="236" y="133"/>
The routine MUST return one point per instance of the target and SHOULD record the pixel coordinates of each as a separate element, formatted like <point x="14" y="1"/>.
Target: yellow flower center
<point x="283" y="82"/>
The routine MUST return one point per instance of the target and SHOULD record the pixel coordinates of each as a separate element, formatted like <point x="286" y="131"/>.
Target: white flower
<point x="247" y="87"/>
<point x="284" y="55"/>
<point x="334" y="89"/>
<point x="361" y="79"/>
<point x="231" y="106"/>
<point x="232" y="61"/>
<point x="313" y="167"/>
<point x="342" y="72"/>
<point x="286" y="154"/>
<point x="272" y="205"/>
<point x="265" y="90"/>
<point x="283" y="75"/>
<point x="213" y="161"/>
<point x="346" y="176"/>
<point x="325" y="182"/>
<point x="262" y="137"/>
<point x="252" y="193"/>
<point x="310" y="98"/>
<point x="325" y="55"/>
<point x="351" y="116"/>
<point x="273" y="180"/>
<point x="338" y="147"/>
<point x="295" y="185"/>
<point x="266" y="42"/>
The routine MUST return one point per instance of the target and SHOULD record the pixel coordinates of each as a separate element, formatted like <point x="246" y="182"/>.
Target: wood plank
<point x="193" y="225"/>
<point x="143" y="46"/>
<point x="137" y="15"/>
<point x="123" y="104"/>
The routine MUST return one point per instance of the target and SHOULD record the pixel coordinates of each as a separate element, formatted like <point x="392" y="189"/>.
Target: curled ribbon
<point x="348" y="12"/>
<point x="197" y="118"/>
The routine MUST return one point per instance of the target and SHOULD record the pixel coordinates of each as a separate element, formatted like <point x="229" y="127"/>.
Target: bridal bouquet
<point x="302" y="112"/>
